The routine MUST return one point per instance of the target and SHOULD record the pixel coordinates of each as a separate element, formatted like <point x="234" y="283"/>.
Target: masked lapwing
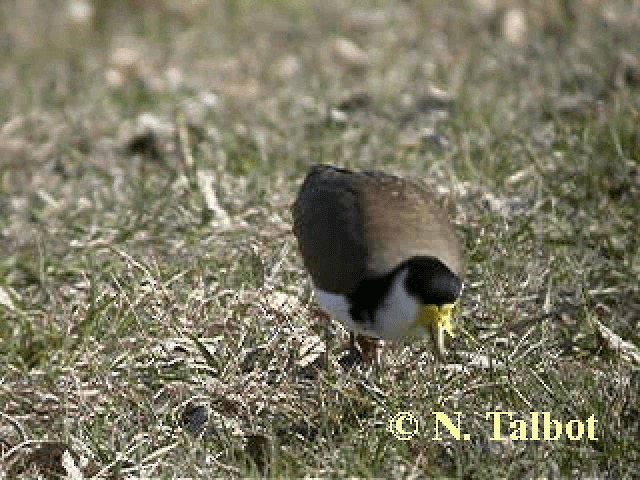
<point x="383" y="257"/>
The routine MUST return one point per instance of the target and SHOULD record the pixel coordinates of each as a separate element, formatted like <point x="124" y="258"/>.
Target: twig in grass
<point x="205" y="179"/>
<point x="16" y="424"/>
<point x="627" y="350"/>
<point x="183" y="137"/>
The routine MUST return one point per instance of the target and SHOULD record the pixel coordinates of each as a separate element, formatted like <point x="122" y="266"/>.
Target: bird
<point x="383" y="257"/>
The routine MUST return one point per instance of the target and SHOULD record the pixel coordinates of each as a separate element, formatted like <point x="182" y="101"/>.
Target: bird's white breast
<point x="395" y="317"/>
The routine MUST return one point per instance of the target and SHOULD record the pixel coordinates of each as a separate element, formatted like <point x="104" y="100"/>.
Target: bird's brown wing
<point x="328" y="223"/>
<point x="402" y="220"/>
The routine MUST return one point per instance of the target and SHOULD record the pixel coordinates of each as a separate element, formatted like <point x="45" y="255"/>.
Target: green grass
<point x="152" y="335"/>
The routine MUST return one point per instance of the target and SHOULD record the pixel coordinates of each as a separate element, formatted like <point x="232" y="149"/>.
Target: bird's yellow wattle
<point x="430" y="316"/>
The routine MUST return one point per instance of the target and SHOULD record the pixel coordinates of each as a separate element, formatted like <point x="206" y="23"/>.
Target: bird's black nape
<point x="429" y="280"/>
<point x="432" y="281"/>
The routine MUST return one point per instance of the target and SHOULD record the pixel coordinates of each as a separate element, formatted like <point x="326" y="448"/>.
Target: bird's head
<point x="437" y="290"/>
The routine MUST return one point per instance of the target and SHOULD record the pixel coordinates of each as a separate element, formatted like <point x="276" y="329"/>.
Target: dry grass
<point x="154" y="316"/>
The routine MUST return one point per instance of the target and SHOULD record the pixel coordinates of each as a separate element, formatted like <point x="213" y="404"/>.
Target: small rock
<point x="195" y="418"/>
<point x="503" y="206"/>
<point x="84" y="203"/>
<point x="484" y="8"/>
<point x="174" y="77"/>
<point x="81" y="12"/>
<point x="514" y="26"/>
<point x="195" y="113"/>
<point x="147" y="121"/>
<point x="245" y="89"/>
<point x="209" y="99"/>
<point x="114" y="78"/>
<point x="429" y="136"/>
<point x="338" y="116"/>
<point x="125" y="58"/>
<point x="287" y="66"/>
<point x="348" y="53"/>
<point x="425" y="137"/>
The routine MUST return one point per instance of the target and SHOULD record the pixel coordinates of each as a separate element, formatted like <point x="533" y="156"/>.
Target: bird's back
<point x="402" y="220"/>
<point x="327" y="222"/>
<point x="352" y="225"/>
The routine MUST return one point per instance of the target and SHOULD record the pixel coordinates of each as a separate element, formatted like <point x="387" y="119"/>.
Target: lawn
<point x="155" y="317"/>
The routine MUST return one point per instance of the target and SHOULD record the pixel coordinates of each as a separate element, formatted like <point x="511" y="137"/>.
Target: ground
<point x="155" y="318"/>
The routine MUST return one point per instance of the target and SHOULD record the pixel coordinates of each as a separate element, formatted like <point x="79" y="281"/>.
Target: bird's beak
<point x="437" y="320"/>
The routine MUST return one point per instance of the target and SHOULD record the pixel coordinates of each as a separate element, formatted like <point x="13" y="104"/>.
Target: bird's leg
<point x="370" y="349"/>
<point x="379" y="350"/>
<point x="327" y="337"/>
<point x="323" y="320"/>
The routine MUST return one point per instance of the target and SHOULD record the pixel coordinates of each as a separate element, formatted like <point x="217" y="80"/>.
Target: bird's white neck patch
<point x="395" y="317"/>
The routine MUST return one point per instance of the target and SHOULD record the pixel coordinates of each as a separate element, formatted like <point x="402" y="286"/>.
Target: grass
<point x="155" y="319"/>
